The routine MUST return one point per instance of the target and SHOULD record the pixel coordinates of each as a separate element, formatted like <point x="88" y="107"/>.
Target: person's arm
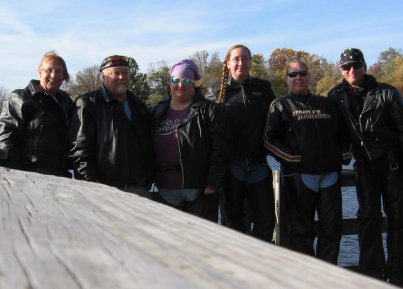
<point x="11" y="131"/>
<point x="274" y="140"/>
<point x="83" y="138"/>
<point x="396" y="115"/>
<point x="219" y="156"/>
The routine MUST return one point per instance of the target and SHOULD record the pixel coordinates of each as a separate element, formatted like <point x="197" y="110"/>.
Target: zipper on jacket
<point x="361" y="138"/>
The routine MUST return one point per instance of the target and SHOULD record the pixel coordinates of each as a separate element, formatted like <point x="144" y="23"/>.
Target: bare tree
<point x="3" y="95"/>
<point x="85" y="81"/>
<point x="210" y="67"/>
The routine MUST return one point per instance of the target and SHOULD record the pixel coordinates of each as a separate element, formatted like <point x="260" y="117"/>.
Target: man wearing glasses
<point x="374" y="114"/>
<point x="34" y="122"/>
<point x="110" y="134"/>
<point x="304" y="132"/>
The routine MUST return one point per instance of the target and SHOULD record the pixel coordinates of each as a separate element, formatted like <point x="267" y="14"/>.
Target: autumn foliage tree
<point x="153" y="86"/>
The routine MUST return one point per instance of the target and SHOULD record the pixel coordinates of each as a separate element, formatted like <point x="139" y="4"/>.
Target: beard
<point x="121" y="88"/>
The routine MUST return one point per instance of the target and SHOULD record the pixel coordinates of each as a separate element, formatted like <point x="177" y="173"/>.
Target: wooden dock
<point x="58" y="233"/>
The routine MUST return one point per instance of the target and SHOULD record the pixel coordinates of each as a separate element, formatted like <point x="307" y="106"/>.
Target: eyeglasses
<point x="49" y="70"/>
<point x="185" y="81"/>
<point x="355" y="65"/>
<point x="295" y="73"/>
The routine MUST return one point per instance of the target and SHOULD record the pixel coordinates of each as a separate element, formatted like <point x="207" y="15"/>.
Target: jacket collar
<point x="369" y="83"/>
<point x="33" y="89"/>
<point x="232" y="83"/>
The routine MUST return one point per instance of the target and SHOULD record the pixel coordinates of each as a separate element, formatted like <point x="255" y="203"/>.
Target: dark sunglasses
<point x="295" y="73"/>
<point x="185" y="81"/>
<point x="356" y="65"/>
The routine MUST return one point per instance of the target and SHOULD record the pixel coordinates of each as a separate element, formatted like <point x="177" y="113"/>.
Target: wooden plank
<point x="62" y="233"/>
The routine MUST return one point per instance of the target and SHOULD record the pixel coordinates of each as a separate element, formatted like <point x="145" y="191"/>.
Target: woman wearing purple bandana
<point x="190" y="145"/>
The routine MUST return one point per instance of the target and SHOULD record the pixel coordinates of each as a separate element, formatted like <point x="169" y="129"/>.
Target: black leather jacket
<point x="246" y="106"/>
<point x="378" y="129"/>
<point x="34" y="130"/>
<point x="107" y="147"/>
<point x="202" y="143"/>
<point x="307" y="134"/>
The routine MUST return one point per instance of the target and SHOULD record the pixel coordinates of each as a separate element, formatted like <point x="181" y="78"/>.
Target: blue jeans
<point x="192" y="201"/>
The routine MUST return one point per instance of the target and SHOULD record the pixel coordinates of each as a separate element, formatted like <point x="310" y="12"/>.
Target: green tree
<point x="258" y="67"/>
<point x="138" y="81"/>
<point x="331" y="76"/>
<point x="381" y="70"/>
<point x="395" y="73"/>
<point x="158" y="80"/>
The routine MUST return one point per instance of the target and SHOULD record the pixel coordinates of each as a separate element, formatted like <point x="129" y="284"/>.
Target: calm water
<point x="349" y="244"/>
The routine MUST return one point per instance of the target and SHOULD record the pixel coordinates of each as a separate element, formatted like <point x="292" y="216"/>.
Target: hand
<point x="209" y="190"/>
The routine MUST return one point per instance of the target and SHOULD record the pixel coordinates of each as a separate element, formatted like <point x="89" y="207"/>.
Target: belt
<point x="170" y="167"/>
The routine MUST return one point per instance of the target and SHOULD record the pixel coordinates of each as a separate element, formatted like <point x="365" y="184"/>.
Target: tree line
<point x="153" y="86"/>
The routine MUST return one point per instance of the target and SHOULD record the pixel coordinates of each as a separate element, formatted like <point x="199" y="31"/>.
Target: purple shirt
<point x="166" y="146"/>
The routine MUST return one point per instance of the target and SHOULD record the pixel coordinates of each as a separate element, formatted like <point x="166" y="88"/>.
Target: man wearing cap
<point x="110" y="133"/>
<point x="374" y="113"/>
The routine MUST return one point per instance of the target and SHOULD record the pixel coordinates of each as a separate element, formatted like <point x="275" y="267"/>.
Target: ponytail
<point x="224" y="83"/>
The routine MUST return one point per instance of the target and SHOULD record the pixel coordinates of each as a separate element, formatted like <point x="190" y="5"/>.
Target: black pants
<point x="204" y="206"/>
<point x="302" y="204"/>
<point x="378" y="180"/>
<point x="260" y="198"/>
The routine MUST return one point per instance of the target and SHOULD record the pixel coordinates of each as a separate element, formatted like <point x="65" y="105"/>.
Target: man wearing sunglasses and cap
<point x="110" y="133"/>
<point x="305" y="133"/>
<point x="190" y="145"/>
<point x="374" y="114"/>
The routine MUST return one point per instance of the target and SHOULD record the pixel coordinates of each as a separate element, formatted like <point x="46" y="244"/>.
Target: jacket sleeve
<point x="342" y="133"/>
<point x="83" y="139"/>
<point x="219" y="156"/>
<point x="396" y="114"/>
<point x="274" y="137"/>
<point x="11" y="132"/>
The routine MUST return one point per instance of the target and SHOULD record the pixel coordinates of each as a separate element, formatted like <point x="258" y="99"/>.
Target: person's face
<point x="182" y="88"/>
<point x="354" y="73"/>
<point x="239" y="64"/>
<point x="298" y="79"/>
<point x="116" y="80"/>
<point x="51" y="75"/>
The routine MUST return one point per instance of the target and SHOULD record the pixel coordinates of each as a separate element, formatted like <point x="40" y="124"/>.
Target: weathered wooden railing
<point x="58" y="233"/>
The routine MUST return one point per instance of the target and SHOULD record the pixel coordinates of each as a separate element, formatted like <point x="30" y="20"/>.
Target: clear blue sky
<point x="86" y="31"/>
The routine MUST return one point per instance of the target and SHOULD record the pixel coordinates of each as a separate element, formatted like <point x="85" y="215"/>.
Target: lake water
<point x="349" y="251"/>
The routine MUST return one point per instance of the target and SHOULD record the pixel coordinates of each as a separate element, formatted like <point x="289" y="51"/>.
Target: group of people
<point x="205" y="151"/>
